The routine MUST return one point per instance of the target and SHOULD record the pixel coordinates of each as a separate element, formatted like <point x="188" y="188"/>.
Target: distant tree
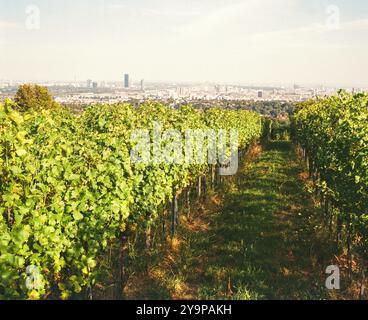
<point x="33" y="97"/>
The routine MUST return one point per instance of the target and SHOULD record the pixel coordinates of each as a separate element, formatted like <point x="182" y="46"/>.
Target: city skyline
<point x="245" y="42"/>
<point x="137" y="83"/>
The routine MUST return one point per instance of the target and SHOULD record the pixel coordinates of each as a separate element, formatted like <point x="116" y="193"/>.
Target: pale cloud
<point x="153" y="12"/>
<point x="316" y="36"/>
<point x="244" y="16"/>
<point x="169" y="13"/>
<point x="4" y="25"/>
<point x="356" y="25"/>
<point x="117" y="6"/>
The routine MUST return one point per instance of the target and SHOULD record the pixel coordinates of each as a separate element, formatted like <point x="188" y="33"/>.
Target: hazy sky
<point x="236" y="41"/>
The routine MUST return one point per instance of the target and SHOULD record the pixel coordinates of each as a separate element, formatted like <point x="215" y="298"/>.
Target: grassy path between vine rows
<point x="256" y="239"/>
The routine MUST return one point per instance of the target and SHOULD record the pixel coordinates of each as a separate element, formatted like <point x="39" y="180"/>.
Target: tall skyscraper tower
<point x="142" y="85"/>
<point x="126" y="81"/>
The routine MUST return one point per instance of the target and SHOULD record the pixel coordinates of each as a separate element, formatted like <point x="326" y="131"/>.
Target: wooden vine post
<point x="174" y="211"/>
